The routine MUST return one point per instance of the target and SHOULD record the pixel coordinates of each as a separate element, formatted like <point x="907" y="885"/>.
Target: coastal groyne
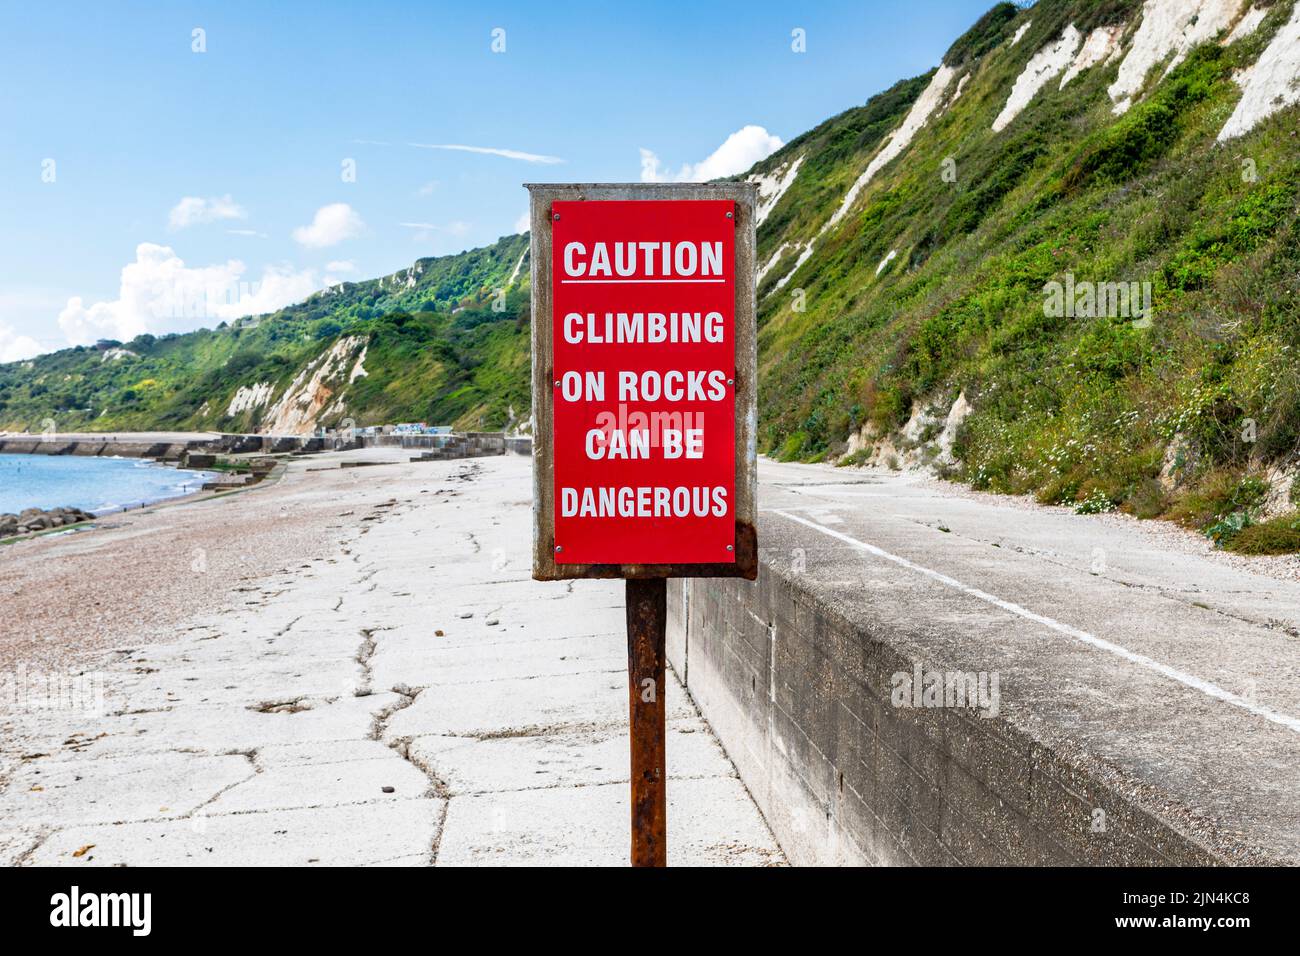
<point x="157" y="446"/>
<point x="200" y="449"/>
<point x="451" y="446"/>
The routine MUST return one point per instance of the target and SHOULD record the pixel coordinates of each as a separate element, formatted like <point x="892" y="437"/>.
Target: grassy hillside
<point x="1192" y="411"/>
<point x="436" y="342"/>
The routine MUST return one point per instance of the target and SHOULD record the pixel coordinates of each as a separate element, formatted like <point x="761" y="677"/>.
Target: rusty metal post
<point x="647" y="623"/>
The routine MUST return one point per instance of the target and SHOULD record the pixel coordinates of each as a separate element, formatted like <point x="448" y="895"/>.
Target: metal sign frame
<point x="745" y="197"/>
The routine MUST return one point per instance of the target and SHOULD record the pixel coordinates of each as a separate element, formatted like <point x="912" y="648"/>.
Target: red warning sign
<point x="643" y="306"/>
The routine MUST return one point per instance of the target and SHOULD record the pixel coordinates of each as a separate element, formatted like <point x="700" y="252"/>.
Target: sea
<point x="92" y="484"/>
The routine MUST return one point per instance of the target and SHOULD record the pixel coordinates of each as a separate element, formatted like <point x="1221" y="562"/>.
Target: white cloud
<point x="159" y="293"/>
<point x="15" y="347"/>
<point x="523" y="223"/>
<point x="195" y="210"/>
<point x="428" y="188"/>
<point x="341" y="265"/>
<point x="247" y="232"/>
<point x="330" y="226"/>
<point x="493" y="151"/>
<point x="741" y="150"/>
<point x="650" y="167"/>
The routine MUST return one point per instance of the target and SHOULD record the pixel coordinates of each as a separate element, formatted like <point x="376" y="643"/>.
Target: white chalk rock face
<point x="768" y="266"/>
<point x="1101" y="46"/>
<point x="249" y="397"/>
<point x="518" y="265"/>
<point x="313" y="389"/>
<point x="930" y="101"/>
<point x="959" y="412"/>
<point x="893" y="253"/>
<point x="900" y="139"/>
<point x="1168" y="27"/>
<point x="803" y="257"/>
<point x="1247" y="25"/>
<point x="359" y="370"/>
<point x="1020" y="32"/>
<point x="961" y="85"/>
<point x="1042" y="66"/>
<point x="1273" y="83"/>
<point x="772" y="187"/>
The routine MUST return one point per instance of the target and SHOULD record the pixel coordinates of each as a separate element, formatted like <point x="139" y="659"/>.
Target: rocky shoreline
<point x="38" y="519"/>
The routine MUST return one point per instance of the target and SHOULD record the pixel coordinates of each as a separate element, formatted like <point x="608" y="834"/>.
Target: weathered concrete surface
<point x="1149" y="704"/>
<point x="400" y="692"/>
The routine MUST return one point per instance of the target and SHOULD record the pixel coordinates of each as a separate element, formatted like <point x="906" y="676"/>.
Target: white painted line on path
<point x="1190" y="680"/>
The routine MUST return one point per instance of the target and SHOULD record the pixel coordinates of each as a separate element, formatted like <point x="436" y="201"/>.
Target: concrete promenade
<point x="352" y="666"/>
<point x="1147" y="706"/>
<point x="394" y="690"/>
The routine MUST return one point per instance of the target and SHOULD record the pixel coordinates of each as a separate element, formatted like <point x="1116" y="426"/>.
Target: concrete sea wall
<point x="800" y="696"/>
<point x="160" y="450"/>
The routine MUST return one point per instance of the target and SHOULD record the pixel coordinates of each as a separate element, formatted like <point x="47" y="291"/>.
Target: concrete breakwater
<point x="178" y="446"/>
<point x="160" y="446"/>
<point x="453" y="445"/>
<point x="468" y="445"/>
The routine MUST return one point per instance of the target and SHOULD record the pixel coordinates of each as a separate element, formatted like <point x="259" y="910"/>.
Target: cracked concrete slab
<point x="466" y="662"/>
<point x="317" y="717"/>
<point x="583" y="826"/>
<point x="213" y="728"/>
<point x="322" y="752"/>
<point x="354" y="835"/>
<point x="495" y="706"/>
<point x="69" y="790"/>
<point x="16" y="843"/>
<point x="321" y="785"/>
<point x="561" y="757"/>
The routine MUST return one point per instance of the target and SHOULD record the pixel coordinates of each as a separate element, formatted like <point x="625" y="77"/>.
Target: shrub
<point x="1097" y="502"/>
<point x="1120" y="151"/>
<point x="1148" y="499"/>
<point x="1222" y="492"/>
<point x="1223" y="531"/>
<point x="988" y="31"/>
<point x="1279" y="536"/>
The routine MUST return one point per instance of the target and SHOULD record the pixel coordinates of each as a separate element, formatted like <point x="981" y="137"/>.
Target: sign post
<point x="647" y="619"/>
<point x="644" y="401"/>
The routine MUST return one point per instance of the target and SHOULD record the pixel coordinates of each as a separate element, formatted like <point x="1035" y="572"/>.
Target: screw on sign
<point x="644" y="362"/>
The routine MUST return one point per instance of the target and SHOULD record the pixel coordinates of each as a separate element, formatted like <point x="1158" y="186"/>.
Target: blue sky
<point x="227" y="166"/>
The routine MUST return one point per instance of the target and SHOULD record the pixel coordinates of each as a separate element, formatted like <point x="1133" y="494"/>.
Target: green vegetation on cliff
<point x="1144" y="413"/>
<point x="445" y="341"/>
